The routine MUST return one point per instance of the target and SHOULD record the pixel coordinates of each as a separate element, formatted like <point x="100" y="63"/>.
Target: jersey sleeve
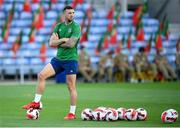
<point x="56" y="28"/>
<point x="76" y="31"/>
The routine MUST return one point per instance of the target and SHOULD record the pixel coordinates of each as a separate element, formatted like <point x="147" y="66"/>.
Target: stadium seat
<point x="173" y="37"/>
<point x="83" y="6"/>
<point x="11" y="39"/>
<point x="40" y="38"/>
<point x="51" y="14"/>
<point x="35" y="61"/>
<point x="170" y="51"/>
<point x="9" y="65"/>
<point x="126" y="22"/>
<point x="90" y="45"/>
<point x="58" y="7"/>
<point x="124" y="30"/>
<point x="36" y="65"/>
<point x="99" y="22"/>
<point x="21" y="23"/>
<point x="7" y="54"/>
<point x="22" y="61"/>
<point x="127" y="14"/>
<point x="14" y="31"/>
<point x="149" y="29"/>
<point x="94" y="37"/>
<point x="1" y="24"/>
<point x="150" y="22"/>
<point x="138" y="44"/>
<point x="34" y="46"/>
<point x="45" y="5"/>
<point x="79" y="14"/>
<point x="26" y="15"/>
<point x="96" y="30"/>
<point x="6" y="6"/>
<point x="51" y="53"/>
<point x="2" y="15"/>
<point x="5" y="46"/>
<point x="146" y="15"/>
<point x="34" y="7"/>
<point x="49" y="22"/>
<point x="45" y="31"/>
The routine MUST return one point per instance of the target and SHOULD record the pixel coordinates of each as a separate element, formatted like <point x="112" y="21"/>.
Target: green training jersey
<point x="67" y="31"/>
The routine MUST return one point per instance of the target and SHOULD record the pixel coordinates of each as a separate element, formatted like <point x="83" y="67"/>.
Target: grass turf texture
<point x="154" y="97"/>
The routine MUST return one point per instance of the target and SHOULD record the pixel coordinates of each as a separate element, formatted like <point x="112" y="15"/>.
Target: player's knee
<point x="70" y="86"/>
<point x="41" y="76"/>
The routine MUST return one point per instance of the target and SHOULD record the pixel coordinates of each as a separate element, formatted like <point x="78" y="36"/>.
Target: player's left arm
<point x="73" y="39"/>
<point x="70" y="43"/>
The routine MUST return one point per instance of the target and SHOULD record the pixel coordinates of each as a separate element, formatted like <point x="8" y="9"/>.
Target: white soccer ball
<point x="32" y="114"/>
<point x="102" y="109"/>
<point x="142" y="114"/>
<point x="121" y="113"/>
<point x="86" y="114"/>
<point x="111" y="114"/>
<point x="131" y="114"/>
<point x="175" y="113"/>
<point x="98" y="115"/>
<point x="169" y="116"/>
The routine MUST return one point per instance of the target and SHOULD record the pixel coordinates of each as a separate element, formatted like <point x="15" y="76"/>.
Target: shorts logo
<point x="71" y="70"/>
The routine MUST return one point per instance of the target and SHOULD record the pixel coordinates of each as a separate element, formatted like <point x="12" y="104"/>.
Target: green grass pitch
<point x="154" y="97"/>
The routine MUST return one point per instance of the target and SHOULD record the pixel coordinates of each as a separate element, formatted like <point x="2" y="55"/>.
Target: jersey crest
<point x="69" y="30"/>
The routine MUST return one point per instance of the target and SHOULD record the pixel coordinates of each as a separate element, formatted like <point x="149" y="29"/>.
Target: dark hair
<point x="82" y="47"/>
<point x="141" y="49"/>
<point x="67" y="7"/>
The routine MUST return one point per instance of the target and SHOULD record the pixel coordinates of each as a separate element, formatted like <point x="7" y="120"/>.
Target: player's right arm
<point x="55" y="41"/>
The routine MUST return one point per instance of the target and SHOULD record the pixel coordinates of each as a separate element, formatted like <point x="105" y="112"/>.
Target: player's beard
<point x="70" y="20"/>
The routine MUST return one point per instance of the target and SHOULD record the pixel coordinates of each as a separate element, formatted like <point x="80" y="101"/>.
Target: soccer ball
<point x="121" y="113"/>
<point x="32" y="114"/>
<point x="102" y="109"/>
<point x="169" y="116"/>
<point x="98" y="115"/>
<point x="131" y="114"/>
<point x="175" y="113"/>
<point x="142" y="114"/>
<point x="86" y="114"/>
<point x="111" y="114"/>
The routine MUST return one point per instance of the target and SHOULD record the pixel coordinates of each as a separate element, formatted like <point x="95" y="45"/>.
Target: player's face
<point x="69" y="14"/>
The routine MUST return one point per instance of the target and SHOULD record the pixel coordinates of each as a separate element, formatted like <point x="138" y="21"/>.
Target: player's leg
<point x="47" y="72"/>
<point x="71" y="68"/>
<point x="71" y="84"/>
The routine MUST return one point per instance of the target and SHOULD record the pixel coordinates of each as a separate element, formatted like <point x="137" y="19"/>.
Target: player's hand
<point x="65" y="39"/>
<point x="55" y="36"/>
